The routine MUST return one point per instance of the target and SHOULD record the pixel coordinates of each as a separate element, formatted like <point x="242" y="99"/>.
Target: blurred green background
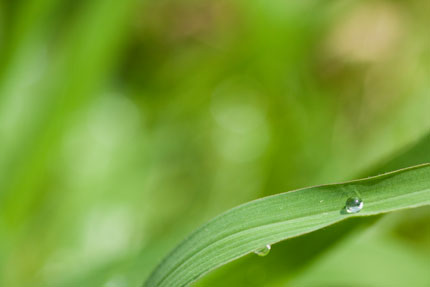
<point x="126" y="124"/>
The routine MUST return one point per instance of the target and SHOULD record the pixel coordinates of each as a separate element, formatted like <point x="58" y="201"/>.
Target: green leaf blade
<point x="275" y="218"/>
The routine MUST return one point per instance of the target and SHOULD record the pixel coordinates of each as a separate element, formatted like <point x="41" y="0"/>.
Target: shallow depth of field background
<point x="124" y="125"/>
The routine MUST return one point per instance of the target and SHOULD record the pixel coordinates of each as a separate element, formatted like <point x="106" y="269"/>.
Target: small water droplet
<point x="353" y="205"/>
<point x="263" y="251"/>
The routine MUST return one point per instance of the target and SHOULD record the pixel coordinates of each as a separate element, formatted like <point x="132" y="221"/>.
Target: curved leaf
<point x="268" y="220"/>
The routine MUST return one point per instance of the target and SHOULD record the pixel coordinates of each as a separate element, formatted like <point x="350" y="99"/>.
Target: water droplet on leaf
<point x="353" y="205"/>
<point x="263" y="251"/>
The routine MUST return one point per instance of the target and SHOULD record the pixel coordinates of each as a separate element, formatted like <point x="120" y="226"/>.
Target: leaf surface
<point x="268" y="220"/>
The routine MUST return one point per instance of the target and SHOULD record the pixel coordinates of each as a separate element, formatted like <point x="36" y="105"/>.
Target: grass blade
<point x="292" y="256"/>
<point x="271" y="219"/>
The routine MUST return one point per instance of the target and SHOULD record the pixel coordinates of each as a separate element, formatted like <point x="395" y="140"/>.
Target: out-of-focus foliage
<point x="126" y="124"/>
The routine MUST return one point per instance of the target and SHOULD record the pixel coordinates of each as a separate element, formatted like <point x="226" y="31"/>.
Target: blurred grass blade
<point x="73" y="80"/>
<point x="418" y="153"/>
<point x="271" y="219"/>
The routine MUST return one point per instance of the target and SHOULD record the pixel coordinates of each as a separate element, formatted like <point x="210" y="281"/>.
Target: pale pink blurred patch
<point x="369" y="33"/>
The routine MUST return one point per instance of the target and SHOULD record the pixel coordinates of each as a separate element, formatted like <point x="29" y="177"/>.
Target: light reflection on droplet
<point x="263" y="251"/>
<point x="353" y="205"/>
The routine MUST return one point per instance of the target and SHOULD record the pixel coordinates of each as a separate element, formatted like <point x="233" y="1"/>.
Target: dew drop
<point x="353" y="205"/>
<point x="263" y="251"/>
